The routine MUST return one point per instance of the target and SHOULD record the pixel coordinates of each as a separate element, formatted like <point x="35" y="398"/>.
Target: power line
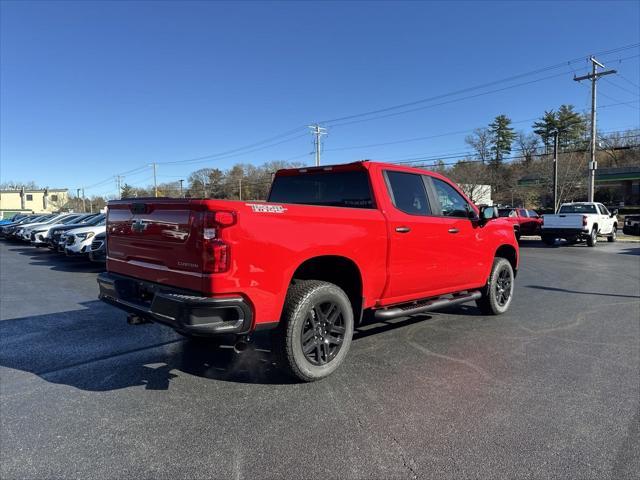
<point x="256" y="146"/>
<point x="218" y="157"/>
<point x="610" y="82"/>
<point x="630" y="82"/>
<point x="476" y="87"/>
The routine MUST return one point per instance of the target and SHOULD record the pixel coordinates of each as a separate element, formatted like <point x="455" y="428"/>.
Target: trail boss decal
<point x="260" y="208"/>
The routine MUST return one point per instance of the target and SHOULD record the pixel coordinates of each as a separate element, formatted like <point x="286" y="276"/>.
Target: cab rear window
<point x="332" y="189"/>
<point x="578" y="208"/>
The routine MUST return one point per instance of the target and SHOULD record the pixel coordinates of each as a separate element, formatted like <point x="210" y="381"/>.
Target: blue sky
<point x="93" y="89"/>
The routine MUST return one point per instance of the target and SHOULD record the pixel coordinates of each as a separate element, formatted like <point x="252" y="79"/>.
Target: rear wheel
<point x="499" y="291"/>
<point x="548" y="240"/>
<point x="315" y="330"/>
<point x="592" y="239"/>
<point x="614" y="234"/>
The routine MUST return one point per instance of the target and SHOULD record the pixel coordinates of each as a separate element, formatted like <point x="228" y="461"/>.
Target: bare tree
<point x="527" y="146"/>
<point x="480" y="141"/>
<point x="471" y="177"/>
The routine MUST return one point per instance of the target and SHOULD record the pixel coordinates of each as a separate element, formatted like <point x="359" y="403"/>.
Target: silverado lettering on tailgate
<point x="263" y="208"/>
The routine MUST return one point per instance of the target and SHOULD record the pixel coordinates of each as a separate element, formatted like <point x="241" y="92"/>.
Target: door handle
<point x="453" y="230"/>
<point x="403" y="229"/>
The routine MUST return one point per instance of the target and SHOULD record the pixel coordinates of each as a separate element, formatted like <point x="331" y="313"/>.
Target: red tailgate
<point x="157" y="240"/>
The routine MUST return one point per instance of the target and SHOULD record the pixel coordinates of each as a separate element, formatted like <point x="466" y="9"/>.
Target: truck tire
<point x="548" y="240"/>
<point x="614" y="234"/>
<point x="315" y="330"/>
<point x="499" y="290"/>
<point x="592" y="239"/>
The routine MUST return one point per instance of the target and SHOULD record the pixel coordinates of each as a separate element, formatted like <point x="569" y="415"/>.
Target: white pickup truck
<point x="578" y="221"/>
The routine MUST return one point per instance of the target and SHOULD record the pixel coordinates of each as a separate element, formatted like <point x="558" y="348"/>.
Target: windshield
<point x="336" y="189"/>
<point x="578" y="208"/>
<point x="70" y="219"/>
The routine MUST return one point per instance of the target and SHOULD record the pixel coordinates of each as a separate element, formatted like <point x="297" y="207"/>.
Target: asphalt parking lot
<point x="549" y="390"/>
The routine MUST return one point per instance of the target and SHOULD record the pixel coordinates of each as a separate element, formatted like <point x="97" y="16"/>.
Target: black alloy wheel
<point x="503" y="286"/>
<point x="323" y="333"/>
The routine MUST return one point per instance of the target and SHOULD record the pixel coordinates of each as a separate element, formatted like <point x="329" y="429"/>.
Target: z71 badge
<point x="264" y="208"/>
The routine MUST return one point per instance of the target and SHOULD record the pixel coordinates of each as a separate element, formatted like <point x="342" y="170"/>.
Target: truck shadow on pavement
<point x="58" y="262"/>
<point x="564" y="290"/>
<point x="94" y="349"/>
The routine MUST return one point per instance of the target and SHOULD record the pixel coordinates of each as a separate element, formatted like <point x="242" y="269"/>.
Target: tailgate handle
<point x="139" y="208"/>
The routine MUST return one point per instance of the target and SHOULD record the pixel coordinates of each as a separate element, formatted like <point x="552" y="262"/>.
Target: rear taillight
<point x="216" y="252"/>
<point x="584" y="220"/>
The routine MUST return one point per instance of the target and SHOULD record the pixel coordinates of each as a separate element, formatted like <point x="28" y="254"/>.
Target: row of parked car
<point x="72" y="234"/>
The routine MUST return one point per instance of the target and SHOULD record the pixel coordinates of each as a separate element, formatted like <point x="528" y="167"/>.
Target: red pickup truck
<point x="330" y="244"/>
<point x="525" y="222"/>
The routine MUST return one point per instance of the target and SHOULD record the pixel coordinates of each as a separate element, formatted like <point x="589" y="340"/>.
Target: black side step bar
<point x="425" y="305"/>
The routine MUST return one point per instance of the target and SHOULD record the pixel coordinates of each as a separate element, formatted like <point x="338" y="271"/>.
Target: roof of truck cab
<point x="360" y="164"/>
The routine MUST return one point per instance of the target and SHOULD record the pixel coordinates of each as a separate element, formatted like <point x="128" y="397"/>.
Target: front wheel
<point x="614" y="234"/>
<point x="499" y="291"/>
<point x="315" y="330"/>
<point x="592" y="239"/>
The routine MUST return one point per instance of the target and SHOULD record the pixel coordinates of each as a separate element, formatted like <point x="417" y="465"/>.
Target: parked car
<point x="525" y="222"/>
<point x="331" y="243"/>
<point x="24" y="233"/>
<point x="78" y="241"/>
<point x="98" y="250"/>
<point x="40" y="235"/>
<point x="14" y="231"/>
<point x="631" y="225"/>
<point x="7" y="230"/>
<point x="53" y="239"/>
<point x="580" y="221"/>
<point x="13" y="218"/>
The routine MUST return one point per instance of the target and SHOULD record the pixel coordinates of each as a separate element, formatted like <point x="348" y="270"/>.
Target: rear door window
<point x="408" y="192"/>
<point x="522" y="212"/>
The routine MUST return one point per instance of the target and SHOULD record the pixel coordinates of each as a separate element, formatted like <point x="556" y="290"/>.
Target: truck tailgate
<point x="568" y="220"/>
<point x="157" y="240"/>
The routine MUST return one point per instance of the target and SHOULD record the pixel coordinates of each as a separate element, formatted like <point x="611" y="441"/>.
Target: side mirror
<point x="614" y="213"/>
<point x="487" y="213"/>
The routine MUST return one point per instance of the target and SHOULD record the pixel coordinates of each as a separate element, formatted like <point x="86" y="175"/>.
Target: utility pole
<point x="155" y="181"/>
<point x="317" y="131"/>
<point x="78" y="196"/>
<point x="181" y="194"/>
<point x="84" y="206"/>
<point x="593" y="76"/>
<point x="555" y="171"/>
<point x="119" y="185"/>
<point x="240" y="187"/>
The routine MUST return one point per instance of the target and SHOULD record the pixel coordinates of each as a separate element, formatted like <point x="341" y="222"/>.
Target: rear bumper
<point x="183" y="311"/>
<point x="564" y="232"/>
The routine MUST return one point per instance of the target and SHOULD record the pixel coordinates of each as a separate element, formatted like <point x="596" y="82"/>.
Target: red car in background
<point x="525" y="222"/>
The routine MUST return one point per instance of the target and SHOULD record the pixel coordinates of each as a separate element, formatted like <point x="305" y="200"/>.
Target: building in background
<point x="36" y="201"/>
<point x="478" y="193"/>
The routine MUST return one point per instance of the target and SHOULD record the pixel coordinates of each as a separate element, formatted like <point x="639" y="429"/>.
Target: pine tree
<point x="545" y="128"/>
<point x="127" y="191"/>
<point x="570" y="125"/>
<point x="502" y="136"/>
